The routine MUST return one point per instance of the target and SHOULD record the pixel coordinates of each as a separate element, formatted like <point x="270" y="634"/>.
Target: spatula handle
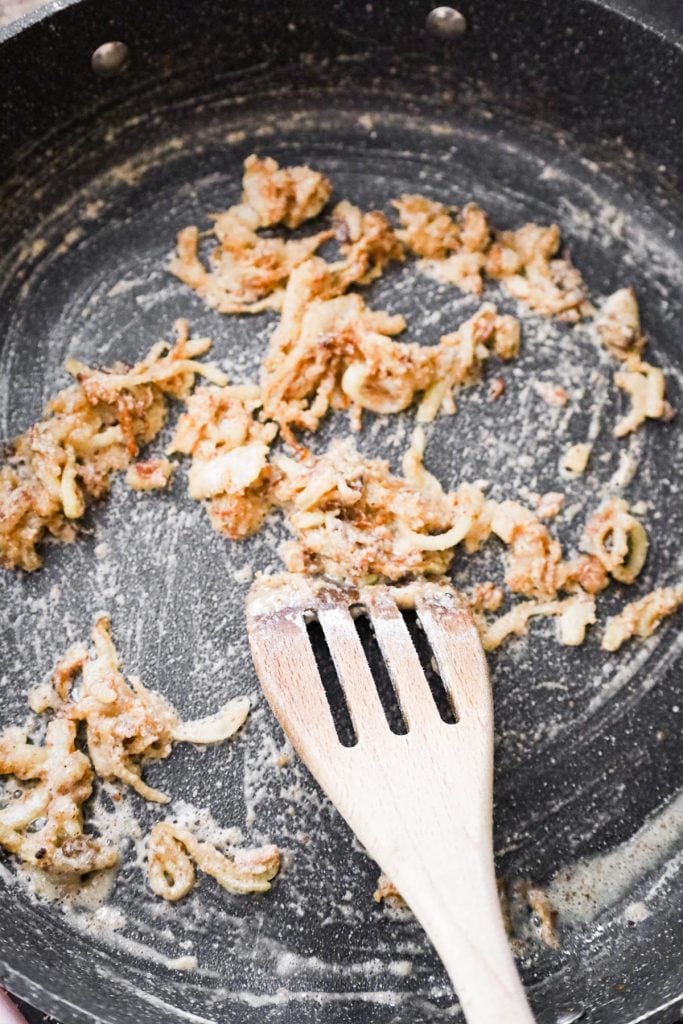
<point x="462" y="916"/>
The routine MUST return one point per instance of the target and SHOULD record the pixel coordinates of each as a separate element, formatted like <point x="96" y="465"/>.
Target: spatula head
<point x="280" y="610"/>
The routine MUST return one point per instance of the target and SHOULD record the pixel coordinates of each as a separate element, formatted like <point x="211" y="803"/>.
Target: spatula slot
<point x="440" y="694"/>
<point x="383" y="683"/>
<point x="331" y="685"/>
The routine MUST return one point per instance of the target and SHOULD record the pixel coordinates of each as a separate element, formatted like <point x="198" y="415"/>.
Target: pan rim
<point x="18" y="25"/>
<point x="645" y="19"/>
<point x="668" y="33"/>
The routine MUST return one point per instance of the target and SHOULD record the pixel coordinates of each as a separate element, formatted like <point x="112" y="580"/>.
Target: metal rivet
<point x="571" y="1016"/>
<point x="446" y="23"/>
<point x="110" y="59"/>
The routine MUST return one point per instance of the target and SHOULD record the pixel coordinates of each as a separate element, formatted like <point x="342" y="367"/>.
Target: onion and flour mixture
<point x="335" y="363"/>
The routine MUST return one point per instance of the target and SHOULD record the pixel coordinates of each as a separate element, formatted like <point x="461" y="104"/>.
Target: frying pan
<point x="540" y="110"/>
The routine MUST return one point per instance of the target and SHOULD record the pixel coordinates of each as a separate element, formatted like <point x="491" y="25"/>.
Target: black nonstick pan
<point x="536" y="109"/>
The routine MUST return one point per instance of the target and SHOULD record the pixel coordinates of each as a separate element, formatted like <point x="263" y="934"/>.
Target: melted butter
<point x="580" y="892"/>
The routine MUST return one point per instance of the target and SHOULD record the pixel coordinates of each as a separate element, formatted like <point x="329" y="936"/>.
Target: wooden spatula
<point x="420" y="803"/>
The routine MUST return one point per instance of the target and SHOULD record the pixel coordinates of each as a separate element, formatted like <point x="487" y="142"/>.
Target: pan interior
<point x="588" y="745"/>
